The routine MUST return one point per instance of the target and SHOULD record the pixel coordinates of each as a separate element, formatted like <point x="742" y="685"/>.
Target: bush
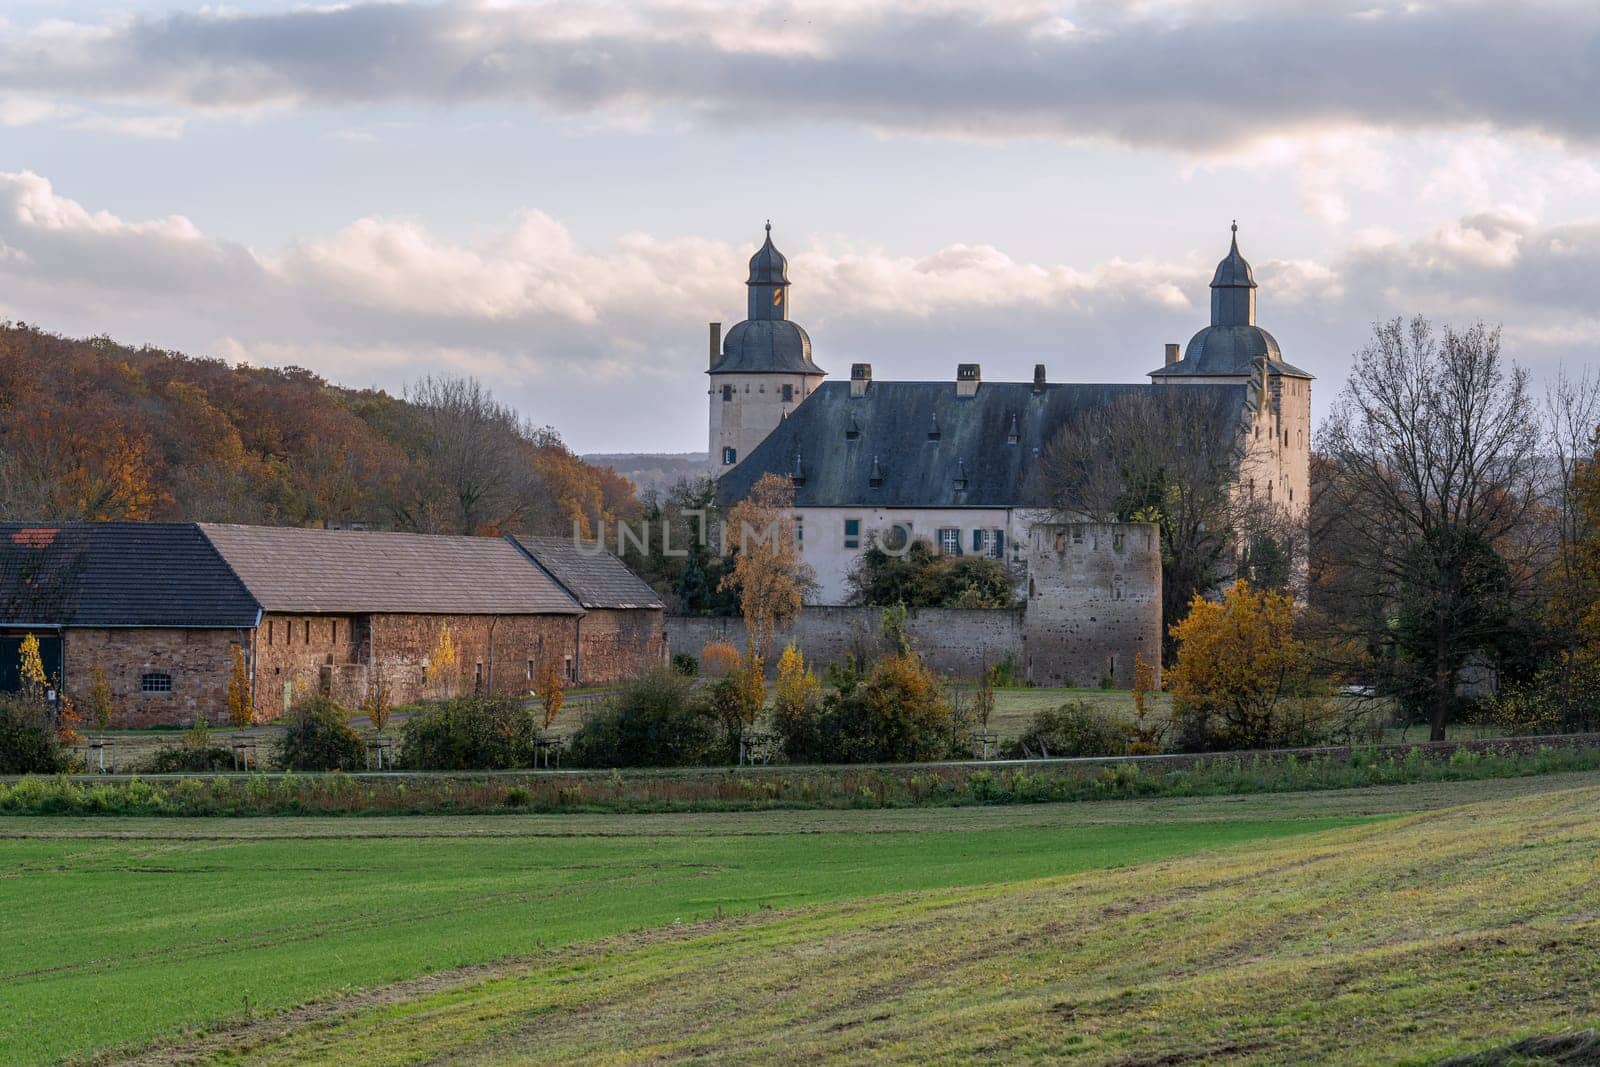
<point x="469" y="734"/>
<point x="186" y="759"/>
<point x="317" y="736"/>
<point x="1076" y="728"/>
<point x="719" y="658"/>
<point x="28" y="741"/>
<point x="685" y="664"/>
<point x="653" y="721"/>
<point x="896" y="713"/>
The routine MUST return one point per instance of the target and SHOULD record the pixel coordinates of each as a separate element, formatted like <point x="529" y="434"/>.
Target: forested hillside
<point x="90" y="429"/>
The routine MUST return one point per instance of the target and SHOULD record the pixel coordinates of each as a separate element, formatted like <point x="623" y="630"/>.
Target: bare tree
<point x="1171" y="456"/>
<point x="1433" y="461"/>
<point x="474" y="448"/>
<point x="1571" y="417"/>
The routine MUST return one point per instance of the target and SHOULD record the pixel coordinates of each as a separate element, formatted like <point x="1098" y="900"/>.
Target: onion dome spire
<point x="769" y="281"/>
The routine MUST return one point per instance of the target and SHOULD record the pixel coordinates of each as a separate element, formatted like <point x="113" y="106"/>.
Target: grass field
<point x="1101" y="928"/>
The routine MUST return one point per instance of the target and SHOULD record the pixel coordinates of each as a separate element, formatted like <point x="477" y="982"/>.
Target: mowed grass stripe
<point x="144" y="936"/>
<point x="1403" y="941"/>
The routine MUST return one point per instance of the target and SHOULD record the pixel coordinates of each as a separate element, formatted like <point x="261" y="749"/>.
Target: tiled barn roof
<point x="594" y="577"/>
<point x="118" y="574"/>
<point x="357" y="571"/>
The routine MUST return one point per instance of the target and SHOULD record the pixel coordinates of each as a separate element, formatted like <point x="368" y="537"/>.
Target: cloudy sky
<point x="556" y="197"/>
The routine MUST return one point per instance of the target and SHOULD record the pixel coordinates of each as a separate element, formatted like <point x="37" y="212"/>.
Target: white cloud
<point x="607" y="343"/>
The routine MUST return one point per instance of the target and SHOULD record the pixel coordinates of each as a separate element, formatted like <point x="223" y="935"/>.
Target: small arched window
<point x="727" y="392"/>
<point x="155" y="682"/>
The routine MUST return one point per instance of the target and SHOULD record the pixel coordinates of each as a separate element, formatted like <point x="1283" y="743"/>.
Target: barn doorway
<point x="11" y="657"/>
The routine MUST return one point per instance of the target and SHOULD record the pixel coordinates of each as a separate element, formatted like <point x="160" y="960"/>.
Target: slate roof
<point x="766" y="346"/>
<point x="118" y="574"/>
<point x="1229" y="350"/>
<point x="594" y="577"/>
<point x="893" y="422"/>
<point x="312" y="571"/>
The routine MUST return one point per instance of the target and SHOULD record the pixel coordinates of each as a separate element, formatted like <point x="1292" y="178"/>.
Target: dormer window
<point x="853" y="430"/>
<point x="933" y="428"/>
<point x="875" y="478"/>
<point x="1013" y="436"/>
<point x="961" y="476"/>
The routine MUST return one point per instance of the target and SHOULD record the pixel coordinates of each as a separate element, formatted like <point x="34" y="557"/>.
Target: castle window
<point x="788" y="394"/>
<point x="570" y="671"/>
<point x="269" y="631"/>
<point x="727" y="392"/>
<point x="730" y="456"/>
<point x="530" y="670"/>
<point x="308" y="631"/>
<point x="997" y="544"/>
<point x="799" y="531"/>
<point x="333" y="631"/>
<point x="477" y="677"/>
<point x="950" y="541"/>
<point x="852" y="533"/>
<point x="155" y="682"/>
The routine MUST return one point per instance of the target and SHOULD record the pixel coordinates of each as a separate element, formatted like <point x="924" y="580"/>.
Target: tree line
<point x="95" y="430"/>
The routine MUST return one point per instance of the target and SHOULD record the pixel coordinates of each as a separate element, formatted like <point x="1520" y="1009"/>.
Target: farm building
<point x="161" y="608"/>
<point x="623" y="632"/>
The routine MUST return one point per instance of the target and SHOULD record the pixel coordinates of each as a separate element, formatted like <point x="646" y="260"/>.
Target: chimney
<point x="968" y="375"/>
<point x="1172" y="354"/>
<point x="1038" y="377"/>
<point x="860" y="378"/>
<point x="716" y="342"/>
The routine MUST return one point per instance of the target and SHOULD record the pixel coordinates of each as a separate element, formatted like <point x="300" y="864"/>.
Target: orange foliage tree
<point x="1242" y="677"/>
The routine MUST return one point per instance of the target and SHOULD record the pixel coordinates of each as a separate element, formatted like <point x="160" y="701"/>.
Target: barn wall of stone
<point x="197" y="661"/>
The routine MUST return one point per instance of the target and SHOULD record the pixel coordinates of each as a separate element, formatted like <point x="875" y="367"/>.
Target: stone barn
<point x="162" y="609"/>
<point x="344" y="610"/>
<point x="623" y="631"/>
<point x="151" y="605"/>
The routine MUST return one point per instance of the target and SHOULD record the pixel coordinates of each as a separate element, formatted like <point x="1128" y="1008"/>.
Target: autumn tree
<point x="241" y="710"/>
<point x="99" y="698"/>
<point x="1242" y="678"/>
<point x="30" y="669"/>
<point x="377" y="705"/>
<point x="1434" y="457"/>
<point x="550" y="685"/>
<point x="443" y="661"/>
<point x="768" y="572"/>
<point x="718" y="658"/>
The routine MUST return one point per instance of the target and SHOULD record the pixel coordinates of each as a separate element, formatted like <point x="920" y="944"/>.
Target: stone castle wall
<point x="1094" y="602"/>
<point x="956" y="641"/>
<point x="1093" y="605"/>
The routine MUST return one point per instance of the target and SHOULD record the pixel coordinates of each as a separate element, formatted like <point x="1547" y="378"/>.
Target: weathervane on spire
<point x="769" y="227"/>
<point x="1234" y="227"/>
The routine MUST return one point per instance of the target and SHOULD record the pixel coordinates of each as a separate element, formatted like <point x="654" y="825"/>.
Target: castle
<point x="953" y="462"/>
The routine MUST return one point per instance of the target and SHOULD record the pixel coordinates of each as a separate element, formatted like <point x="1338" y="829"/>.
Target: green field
<point x="1108" y="929"/>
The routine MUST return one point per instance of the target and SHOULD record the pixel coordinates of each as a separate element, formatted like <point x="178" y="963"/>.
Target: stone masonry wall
<point x="197" y="660"/>
<point x="619" y="643"/>
<point x="958" y="641"/>
<point x="494" y="654"/>
<point x="1094" y="602"/>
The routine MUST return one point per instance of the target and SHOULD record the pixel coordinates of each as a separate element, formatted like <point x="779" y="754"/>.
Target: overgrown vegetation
<point x="469" y="734"/>
<point x="654" y="721"/>
<point x="793" y="787"/>
<point x="28" y="740"/>
<point x="920" y="577"/>
<point x="317" y="736"/>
